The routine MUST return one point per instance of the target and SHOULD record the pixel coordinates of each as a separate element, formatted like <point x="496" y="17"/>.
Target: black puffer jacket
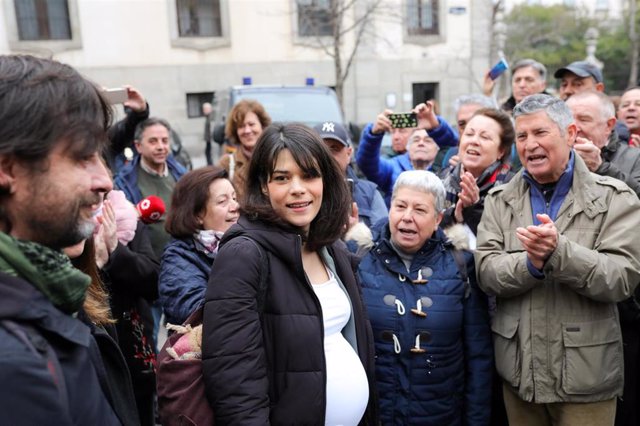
<point x="272" y="370"/>
<point x="29" y="395"/>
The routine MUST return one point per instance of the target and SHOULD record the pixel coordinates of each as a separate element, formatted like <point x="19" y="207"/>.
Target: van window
<point x="307" y="108"/>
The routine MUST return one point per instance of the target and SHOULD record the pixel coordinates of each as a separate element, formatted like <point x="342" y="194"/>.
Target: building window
<point x="195" y="101"/>
<point x="42" y="20"/>
<point x="314" y="18"/>
<point x="199" y="18"/>
<point x="602" y="5"/>
<point x="422" y="17"/>
<point x="423" y="92"/>
<point x="42" y="26"/>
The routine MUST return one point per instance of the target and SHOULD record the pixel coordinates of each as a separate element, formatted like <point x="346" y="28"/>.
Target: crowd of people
<point x="477" y="274"/>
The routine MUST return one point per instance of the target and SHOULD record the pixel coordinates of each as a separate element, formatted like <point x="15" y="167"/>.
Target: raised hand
<point x="589" y="153"/>
<point x="382" y="123"/>
<point x="135" y="99"/>
<point x="487" y="85"/>
<point x="426" y="115"/>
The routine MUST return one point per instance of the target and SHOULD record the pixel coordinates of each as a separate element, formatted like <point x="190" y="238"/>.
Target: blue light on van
<point x="310" y="81"/>
<point x="246" y="81"/>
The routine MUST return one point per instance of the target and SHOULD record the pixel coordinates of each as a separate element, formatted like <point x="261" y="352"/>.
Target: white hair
<point x="424" y="181"/>
<point x="555" y="108"/>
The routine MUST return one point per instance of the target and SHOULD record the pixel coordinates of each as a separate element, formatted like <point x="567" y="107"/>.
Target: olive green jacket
<point x="557" y="339"/>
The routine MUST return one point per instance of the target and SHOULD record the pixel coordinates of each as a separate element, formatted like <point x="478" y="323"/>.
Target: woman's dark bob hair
<point x="507" y="133"/>
<point x="314" y="159"/>
<point x="189" y="199"/>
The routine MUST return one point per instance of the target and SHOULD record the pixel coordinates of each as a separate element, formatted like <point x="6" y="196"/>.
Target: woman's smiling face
<point x="295" y="196"/>
<point x="480" y="144"/>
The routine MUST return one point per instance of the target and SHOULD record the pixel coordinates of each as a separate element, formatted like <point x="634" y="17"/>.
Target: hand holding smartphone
<point x="116" y="95"/>
<point x="403" y="120"/>
<point x="498" y="69"/>
<point x="351" y="184"/>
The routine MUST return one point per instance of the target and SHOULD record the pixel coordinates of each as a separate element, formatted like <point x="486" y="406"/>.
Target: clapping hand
<point x="539" y="241"/>
<point x="468" y="195"/>
<point x="106" y="240"/>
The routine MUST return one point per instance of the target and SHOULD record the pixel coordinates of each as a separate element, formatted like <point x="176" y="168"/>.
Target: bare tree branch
<point x="358" y="40"/>
<point x="364" y="18"/>
<point x="336" y="45"/>
<point x="341" y="11"/>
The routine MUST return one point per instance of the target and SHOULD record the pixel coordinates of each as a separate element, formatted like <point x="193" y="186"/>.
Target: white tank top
<point x="347" y="385"/>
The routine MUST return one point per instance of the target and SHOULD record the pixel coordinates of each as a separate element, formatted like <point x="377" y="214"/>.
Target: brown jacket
<point x="238" y="175"/>
<point x="557" y="339"/>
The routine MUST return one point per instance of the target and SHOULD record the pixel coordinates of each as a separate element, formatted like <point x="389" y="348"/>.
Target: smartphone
<point x="352" y="185"/>
<point x="116" y="95"/>
<point x="498" y="69"/>
<point x="403" y="120"/>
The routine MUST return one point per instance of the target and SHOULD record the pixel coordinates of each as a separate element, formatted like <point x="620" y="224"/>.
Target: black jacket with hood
<point x="29" y="395"/>
<point x="268" y="367"/>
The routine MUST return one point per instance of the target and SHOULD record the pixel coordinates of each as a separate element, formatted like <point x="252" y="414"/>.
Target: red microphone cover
<point x="151" y="209"/>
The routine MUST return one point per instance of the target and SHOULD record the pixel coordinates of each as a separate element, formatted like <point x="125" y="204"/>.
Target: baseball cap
<point x="581" y="69"/>
<point x="333" y="130"/>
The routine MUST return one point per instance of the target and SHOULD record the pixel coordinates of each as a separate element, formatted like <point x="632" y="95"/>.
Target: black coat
<point x="272" y="370"/>
<point x="621" y="161"/>
<point x="113" y="372"/>
<point x="28" y="395"/>
<point x="131" y="276"/>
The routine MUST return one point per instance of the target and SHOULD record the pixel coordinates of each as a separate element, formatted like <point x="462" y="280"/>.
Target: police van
<point x="309" y="105"/>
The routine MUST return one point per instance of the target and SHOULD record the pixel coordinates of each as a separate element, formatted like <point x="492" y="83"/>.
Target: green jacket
<point x="557" y="339"/>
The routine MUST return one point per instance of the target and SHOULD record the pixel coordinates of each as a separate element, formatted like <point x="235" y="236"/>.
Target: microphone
<point x="150" y="209"/>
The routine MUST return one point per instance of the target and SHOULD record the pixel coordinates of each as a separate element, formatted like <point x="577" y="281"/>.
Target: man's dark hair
<point x="189" y="199"/>
<point x="314" y="159"/>
<point x="43" y="103"/>
<point x="151" y="121"/>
